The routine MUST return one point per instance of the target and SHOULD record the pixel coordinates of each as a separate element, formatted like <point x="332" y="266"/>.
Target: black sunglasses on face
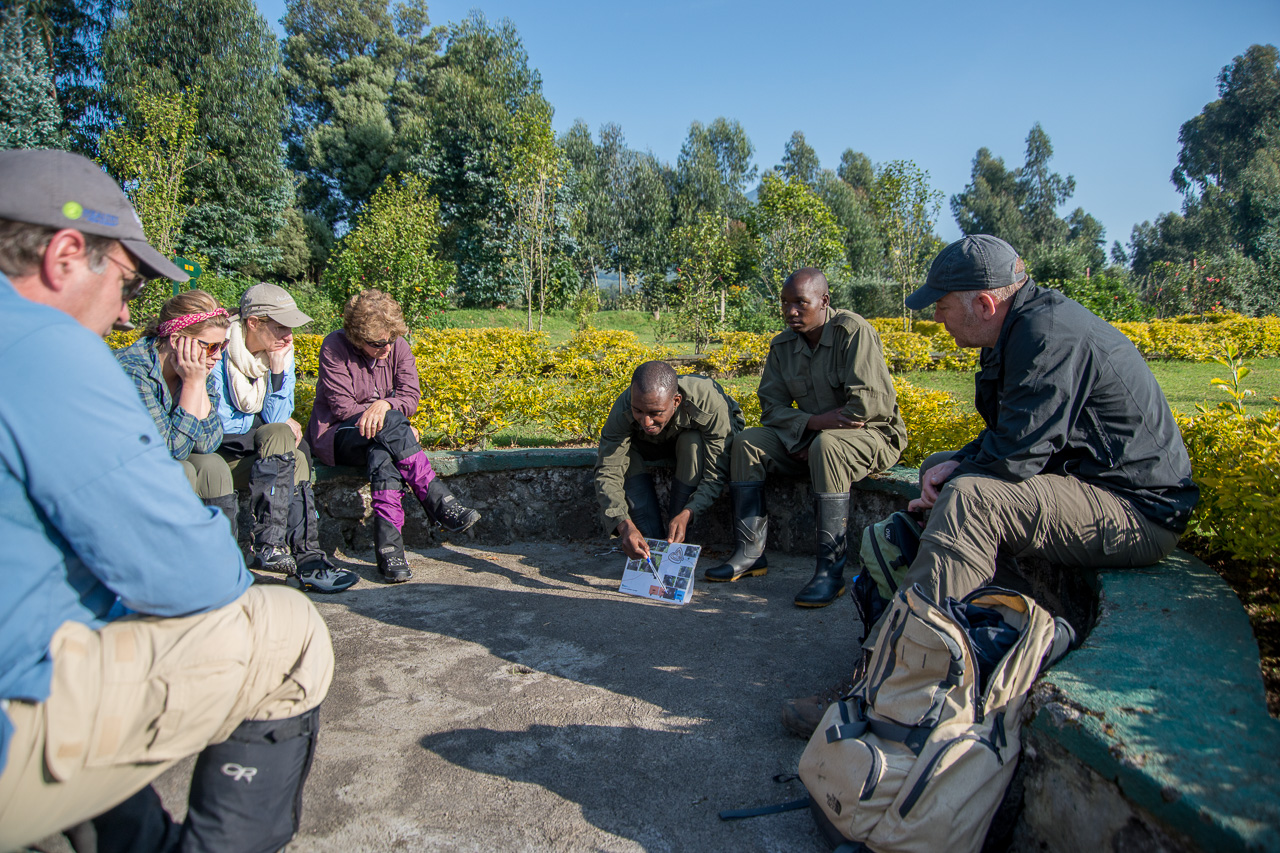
<point x="132" y="283"/>
<point x="380" y="344"/>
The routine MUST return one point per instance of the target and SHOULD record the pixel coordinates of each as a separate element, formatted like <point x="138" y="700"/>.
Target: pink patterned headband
<point x="177" y="324"/>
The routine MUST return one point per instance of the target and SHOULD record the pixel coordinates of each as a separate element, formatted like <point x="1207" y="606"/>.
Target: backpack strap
<point x="736" y="814"/>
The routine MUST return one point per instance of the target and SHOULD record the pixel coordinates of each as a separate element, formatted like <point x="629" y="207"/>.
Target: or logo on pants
<point x="238" y="773"/>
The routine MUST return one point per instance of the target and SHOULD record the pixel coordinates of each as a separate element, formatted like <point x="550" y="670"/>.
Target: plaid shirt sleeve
<point x="181" y="430"/>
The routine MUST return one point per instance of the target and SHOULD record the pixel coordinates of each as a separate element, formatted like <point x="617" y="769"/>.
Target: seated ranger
<point x="844" y="425"/>
<point x="131" y="635"/>
<point x="663" y="416"/>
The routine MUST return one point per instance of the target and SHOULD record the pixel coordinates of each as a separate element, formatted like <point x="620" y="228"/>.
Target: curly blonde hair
<point x="371" y="314"/>
<point x="189" y="302"/>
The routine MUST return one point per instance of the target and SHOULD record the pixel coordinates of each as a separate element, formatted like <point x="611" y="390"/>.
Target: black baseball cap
<point x="58" y="189"/>
<point x="978" y="262"/>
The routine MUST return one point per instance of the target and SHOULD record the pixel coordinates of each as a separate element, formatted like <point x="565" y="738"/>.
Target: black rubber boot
<point x="750" y="529"/>
<point x="679" y="497"/>
<point x="230" y="506"/>
<point x="642" y="505"/>
<point x="832" y="513"/>
<point x="270" y="493"/>
<point x="446" y="509"/>
<point x="388" y="547"/>
<point x="246" y="792"/>
<point x="138" y="824"/>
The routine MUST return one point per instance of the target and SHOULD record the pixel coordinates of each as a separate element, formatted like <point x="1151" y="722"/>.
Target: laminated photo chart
<point x="666" y="576"/>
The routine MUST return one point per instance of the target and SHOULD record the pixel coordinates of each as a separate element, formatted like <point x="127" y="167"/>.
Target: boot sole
<point x="749" y="573"/>
<point x="307" y="586"/>
<point x="815" y="604"/>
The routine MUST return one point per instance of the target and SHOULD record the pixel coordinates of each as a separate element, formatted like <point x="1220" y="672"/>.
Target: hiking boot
<point x="274" y="558"/>
<point x="802" y="716"/>
<point x="319" y="576"/>
<point x="446" y="509"/>
<point x="832" y="513"/>
<point x="642" y="505"/>
<point x="750" y="528"/>
<point x="388" y="550"/>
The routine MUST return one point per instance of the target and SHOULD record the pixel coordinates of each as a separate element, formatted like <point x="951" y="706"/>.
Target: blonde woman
<point x="367" y="390"/>
<point x="172" y="366"/>
<point x="263" y="445"/>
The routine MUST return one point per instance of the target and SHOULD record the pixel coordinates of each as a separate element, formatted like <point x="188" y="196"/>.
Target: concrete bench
<point x="1152" y="735"/>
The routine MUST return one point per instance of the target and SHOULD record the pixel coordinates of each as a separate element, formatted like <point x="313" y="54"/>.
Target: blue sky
<point x="1111" y="82"/>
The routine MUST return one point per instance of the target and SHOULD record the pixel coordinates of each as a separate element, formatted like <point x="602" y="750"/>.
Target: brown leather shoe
<point x="801" y="716"/>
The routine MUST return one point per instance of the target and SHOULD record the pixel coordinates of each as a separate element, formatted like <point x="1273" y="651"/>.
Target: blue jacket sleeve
<point x="278" y="405"/>
<point x="106" y="482"/>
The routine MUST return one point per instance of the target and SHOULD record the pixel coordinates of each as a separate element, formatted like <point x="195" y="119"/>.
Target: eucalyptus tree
<point x="800" y="161"/>
<point x="29" y="113"/>
<point x="713" y="171"/>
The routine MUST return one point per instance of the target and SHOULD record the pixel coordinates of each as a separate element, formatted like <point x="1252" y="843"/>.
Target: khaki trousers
<point x="132" y="698"/>
<point x="269" y="440"/>
<point x="208" y="474"/>
<point x="1062" y="519"/>
<point x="837" y="457"/>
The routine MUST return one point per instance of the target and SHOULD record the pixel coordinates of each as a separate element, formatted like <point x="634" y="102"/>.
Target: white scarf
<point x="244" y="370"/>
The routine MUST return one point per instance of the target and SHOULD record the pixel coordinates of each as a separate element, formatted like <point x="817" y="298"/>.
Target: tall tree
<point x="704" y="266"/>
<point x="471" y="95"/>
<point x="906" y="209"/>
<point x="532" y="184"/>
<point x="29" y="114"/>
<point x="72" y="32"/>
<point x="713" y="170"/>
<point x="992" y="203"/>
<point x="793" y="229"/>
<point x="352" y="74"/>
<point x="800" y="161"/>
<point x="1043" y="191"/>
<point x="855" y="169"/>
<point x="863" y="247"/>
<point x="238" y="195"/>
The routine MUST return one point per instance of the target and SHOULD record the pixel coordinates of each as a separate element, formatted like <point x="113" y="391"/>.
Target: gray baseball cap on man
<point x="58" y="189"/>
<point x="978" y="262"/>
<point x="274" y="302"/>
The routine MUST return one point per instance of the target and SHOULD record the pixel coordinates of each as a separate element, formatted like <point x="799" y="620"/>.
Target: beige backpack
<point x="918" y="757"/>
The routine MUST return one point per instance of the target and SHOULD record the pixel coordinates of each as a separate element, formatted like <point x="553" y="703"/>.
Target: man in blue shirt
<point x="131" y="635"/>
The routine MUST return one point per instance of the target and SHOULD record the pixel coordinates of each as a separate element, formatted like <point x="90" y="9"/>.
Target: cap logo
<point x="99" y="218"/>
<point x="72" y="210"/>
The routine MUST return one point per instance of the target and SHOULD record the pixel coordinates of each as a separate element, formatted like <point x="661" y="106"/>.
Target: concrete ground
<point x="510" y="698"/>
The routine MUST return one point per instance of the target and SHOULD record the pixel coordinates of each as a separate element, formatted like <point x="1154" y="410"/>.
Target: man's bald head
<point x="655" y="378"/>
<point x="809" y="280"/>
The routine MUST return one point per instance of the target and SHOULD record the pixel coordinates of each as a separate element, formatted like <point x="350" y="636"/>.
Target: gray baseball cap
<point x="273" y="301"/>
<point x="978" y="262"/>
<point x="58" y="189"/>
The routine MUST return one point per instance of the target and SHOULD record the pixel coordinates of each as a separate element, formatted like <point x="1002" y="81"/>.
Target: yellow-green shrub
<point x="477" y="382"/>
<point x="935" y="421"/>
<point x="1235" y="461"/>
<point x="590" y="371"/>
<point x="750" y="405"/>
<point x="739" y="354"/>
<point x="120" y="340"/>
<point x="304" y="400"/>
<point x="906" y="351"/>
<point x="306" y="354"/>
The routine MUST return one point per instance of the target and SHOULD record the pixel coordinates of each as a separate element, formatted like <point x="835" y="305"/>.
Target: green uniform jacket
<point x="846" y="370"/>
<point x="705" y="407"/>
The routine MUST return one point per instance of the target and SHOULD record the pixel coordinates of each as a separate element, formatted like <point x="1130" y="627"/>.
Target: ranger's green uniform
<point x="697" y="436"/>
<point x="846" y="371"/>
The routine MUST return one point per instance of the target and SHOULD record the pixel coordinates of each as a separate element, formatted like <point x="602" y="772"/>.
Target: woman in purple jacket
<point x="368" y="388"/>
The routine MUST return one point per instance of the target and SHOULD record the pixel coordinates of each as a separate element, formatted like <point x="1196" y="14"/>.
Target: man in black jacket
<point x="1081" y="460"/>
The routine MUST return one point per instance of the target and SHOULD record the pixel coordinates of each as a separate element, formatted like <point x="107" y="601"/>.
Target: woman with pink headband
<point x="172" y="367"/>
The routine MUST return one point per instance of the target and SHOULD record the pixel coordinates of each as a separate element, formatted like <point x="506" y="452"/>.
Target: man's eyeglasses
<point x="132" y="283"/>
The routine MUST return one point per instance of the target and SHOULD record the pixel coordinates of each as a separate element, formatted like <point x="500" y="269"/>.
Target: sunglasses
<point x="380" y="344"/>
<point x="132" y="283"/>
<point x="213" y="348"/>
